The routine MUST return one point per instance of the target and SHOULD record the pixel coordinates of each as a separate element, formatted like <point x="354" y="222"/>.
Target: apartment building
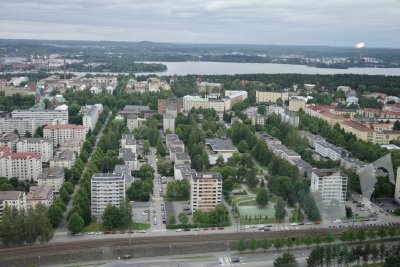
<point x="271" y="96"/>
<point x="173" y="150"/>
<point x="22" y="125"/>
<point x="91" y="116"/>
<point x="44" y="146"/>
<point x="106" y="188"/>
<point x="331" y="117"/>
<point x="330" y="151"/>
<point x="43" y="117"/>
<point x="296" y="103"/>
<point x="258" y="119"/>
<point x="275" y="109"/>
<point x="133" y="122"/>
<point x="129" y="158"/>
<point x="169" y="122"/>
<point x="64" y="132"/>
<point x="205" y="191"/>
<point x="12" y="199"/>
<point x="171" y="103"/>
<point x="9" y="140"/>
<point x="53" y="177"/>
<point x="331" y="184"/>
<point x="41" y="194"/>
<point x="74" y="145"/>
<point x="24" y="166"/>
<point x="220" y="104"/>
<point x="65" y="159"/>
<point x="128" y="141"/>
<point x="182" y="158"/>
<point x="209" y="87"/>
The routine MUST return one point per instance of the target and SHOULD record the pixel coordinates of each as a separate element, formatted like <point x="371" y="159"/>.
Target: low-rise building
<point x="206" y="191"/>
<point x="106" y="188"/>
<point x="275" y="109"/>
<point x="171" y="138"/>
<point x="183" y="171"/>
<point x="129" y="158"/>
<point x="126" y="171"/>
<point x="12" y="199"/>
<point x="330" y="151"/>
<point x="331" y="185"/>
<point x="91" y="115"/>
<point x="173" y="150"/>
<point x="171" y="103"/>
<point x="42" y="194"/>
<point x="24" y="166"/>
<point x="53" y="177"/>
<point x="133" y="122"/>
<point x="128" y="141"/>
<point x="258" y="119"/>
<point x="64" y="132"/>
<point x="65" y="159"/>
<point x="133" y="109"/>
<point x="74" y="145"/>
<point x="182" y="158"/>
<point x="44" y="146"/>
<point x="219" y="147"/>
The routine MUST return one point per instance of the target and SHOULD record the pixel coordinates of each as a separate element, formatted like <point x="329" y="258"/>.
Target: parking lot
<point x="139" y="211"/>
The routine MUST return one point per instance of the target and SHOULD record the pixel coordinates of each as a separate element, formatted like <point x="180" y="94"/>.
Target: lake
<point x="220" y="68"/>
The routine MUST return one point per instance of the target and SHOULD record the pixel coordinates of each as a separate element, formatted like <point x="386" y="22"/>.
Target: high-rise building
<point x="64" y="132"/>
<point x="206" y="190"/>
<point x="107" y="188"/>
<point x="22" y="125"/>
<point x="44" y="146"/>
<point x="331" y="184"/>
<point x="43" y="117"/>
<point x="24" y="166"/>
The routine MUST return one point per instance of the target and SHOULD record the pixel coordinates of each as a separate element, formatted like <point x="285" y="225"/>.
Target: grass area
<point x="194" y="257"/>
<point x="256" y="215"/>
<point x="236" y="199"/>
<point x="297" y="216"/>
<point x="251" y="202"/>
<point x="237" y="186"/>
<point x="370" y="265"/>
<point x="86" y="265"/>
<point x="96" y="227"/>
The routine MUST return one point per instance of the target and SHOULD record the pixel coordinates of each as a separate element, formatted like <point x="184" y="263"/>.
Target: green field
<point x="95" y="227"/>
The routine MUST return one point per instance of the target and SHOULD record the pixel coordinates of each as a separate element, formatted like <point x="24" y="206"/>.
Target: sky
<point x="287" y="22"/>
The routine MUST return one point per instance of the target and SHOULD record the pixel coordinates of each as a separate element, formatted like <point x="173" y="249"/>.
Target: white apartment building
<point x="128" y="141"/>
<point x="183" y="171"/>
<point x="43" y="117"/>
<point x="206" y="191"/>
<point x="219" y="104"/>
<point x="330" y="184"/>
<point x="22" y="125"/>
<point x="258" y="119"/>
<point x="91" y="116"/>
<point x="10" y="140"/>
<point x="12" y="199"/>
<point x="25" y="165"/>
<point x="74" y="145"/>
<point x="42" y="194"/>
<point x="53" y="177"/>
<point x="169" y="122"/>
<point x="271" y="96"/>
<point x="64" y="132"/>
<point x="275" y="109"/>
<point x="65" y="159"/>
<point x="106" y="188"/>
<point x="328" y="150"/>
<point x="43" y="146"/>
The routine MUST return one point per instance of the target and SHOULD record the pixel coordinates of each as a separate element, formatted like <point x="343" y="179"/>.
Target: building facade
<point x="64" y="132"/>
<point x="43" y="117"/>
<point x="24" y="166"/>
<point x="43" y="146"/>
<point x="22" y="125"/>
<point x="271" y="96"/>
<point x="206" y="191"/>
<point x="331" y="185"/>
<point x="106" y="188"/>
<point x="53" y="177"/>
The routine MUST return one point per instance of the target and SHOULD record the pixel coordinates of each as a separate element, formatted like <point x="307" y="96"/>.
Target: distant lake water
<point x="220" y="68"/>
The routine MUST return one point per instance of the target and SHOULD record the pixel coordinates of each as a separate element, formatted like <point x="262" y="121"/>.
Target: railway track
<point x="35" y="250"/>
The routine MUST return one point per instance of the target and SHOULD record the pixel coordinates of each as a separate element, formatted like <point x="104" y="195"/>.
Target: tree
<point x="183" y="218"/>
<point x="286" y="260"/>
<point x="172" y="219"/>
<point x="349" y="212"/>
<point x="54" y="213"/>
<point x="361" y="235"/>
<point x="262" y="197"/>
<point x="253" y="245"/>
<point x="308" y="241"/>
<point x="280" y="211"/>
<point x="261" y="109"/>
<point x="111" y="217"/>
<point x="371" y="233"/>
<point x="382" y="232"/>
<point x="146" y="147"/>
<point x="330" y="238"/>
<point x="266" y="244"/>
<point x="243" y="146"/>
<point x="278" y="244"/>
<point x="241" y="246"/>
<point x="396" y="125"/>
<point x="75" y="223"/>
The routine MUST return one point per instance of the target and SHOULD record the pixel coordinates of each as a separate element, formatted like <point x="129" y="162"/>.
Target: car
<point x="213" y="228"/>
<point x="186" y="229"/>
<point x="91" y="233"/>
<point x="106" y="232"/>
<point x="266" y="230"/>
<point x="154" y="204"/>
<point x="77" y="234"/>
<point x="196" y="229"/>
<point x="293" y="224"/>
<point x="178" y="230"/>
<point x="154" y="211"/>
<point x="99" y="233"/>
<point x="144" y="213"/>
<point x="301" y="223"/>
<point x="155" y="222"/>
<point x="126" y="257"/>
<point x="142" y="231"/>
<point x="317" y="222"/>
<point x="308" y="223"/>
<point x="130" y="232"/>
<point x="221" y="228"/>
<point x="247" y="227"/>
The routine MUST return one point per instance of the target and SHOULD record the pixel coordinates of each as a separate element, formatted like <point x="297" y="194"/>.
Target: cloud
<point x="329" y="22"/>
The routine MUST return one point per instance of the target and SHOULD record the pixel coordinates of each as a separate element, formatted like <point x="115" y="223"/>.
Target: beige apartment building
<point x="271" y="96"/>
<point x="43" y="146"/>
<point x="297" y="103"/>
<point x="24" y="165"/>
<point x="206" y="191"/>
<point x="53" y="177"/>
<point x="64" y="132"/>
<point x="12" y="199"/>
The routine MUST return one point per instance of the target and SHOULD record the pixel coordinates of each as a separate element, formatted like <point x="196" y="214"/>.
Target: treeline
<point x="14" y="184"/>
<point x="117" y="65"/>
<point x="25" y="227"/>
<point x="178" y="190"/>
<point x="140" y="189"/>
<point x="10" y="103"/>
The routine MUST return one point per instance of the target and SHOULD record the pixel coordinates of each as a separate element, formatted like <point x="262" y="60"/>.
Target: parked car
<point x="178" y="230"/>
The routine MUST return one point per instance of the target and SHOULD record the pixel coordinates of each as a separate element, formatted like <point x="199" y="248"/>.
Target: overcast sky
<point x="302" y="22"/>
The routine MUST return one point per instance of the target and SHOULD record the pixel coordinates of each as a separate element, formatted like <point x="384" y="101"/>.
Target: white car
<point x="293" y="224"/>
<point x="91" y="233"/>
<point x="178" y="230"/>
<point x="247" y="227"/>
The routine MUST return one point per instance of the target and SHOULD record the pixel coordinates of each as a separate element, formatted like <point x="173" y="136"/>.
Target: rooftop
<point x="64" y="155"/>
<point x="182" y="156"/>
<point x="6" y="152"/>
<point x="10" y="195"/>
<point x="207" y="175"/>
<point x="9" y="137"/>
<point x="35" y="140"/>
<point x="185" y="169"/>
<point x="39" y="192"/>
<point x="356" y="126"/>
<point x="176" y="149"/>
<point x="220" y="144"/>
<point x="64" y="126"/>
<point x="107" y="176"/>
<point x="327" y="172"/>
<point x="125" y="170"/>
<point x="52" y="173"/>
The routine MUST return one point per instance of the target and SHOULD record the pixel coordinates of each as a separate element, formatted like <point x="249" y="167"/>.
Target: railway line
<point x="63" y="247"/>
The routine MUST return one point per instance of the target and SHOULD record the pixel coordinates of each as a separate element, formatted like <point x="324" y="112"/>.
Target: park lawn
<point x="297" y="216"/>
<point x="253" y="215"/>
<point x="236" y="199"/>
<point x="251" y="202"/>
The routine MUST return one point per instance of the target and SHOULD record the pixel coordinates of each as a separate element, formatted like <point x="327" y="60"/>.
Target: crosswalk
<point x="283" y="228"/>
<point x="225" y="261"/>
